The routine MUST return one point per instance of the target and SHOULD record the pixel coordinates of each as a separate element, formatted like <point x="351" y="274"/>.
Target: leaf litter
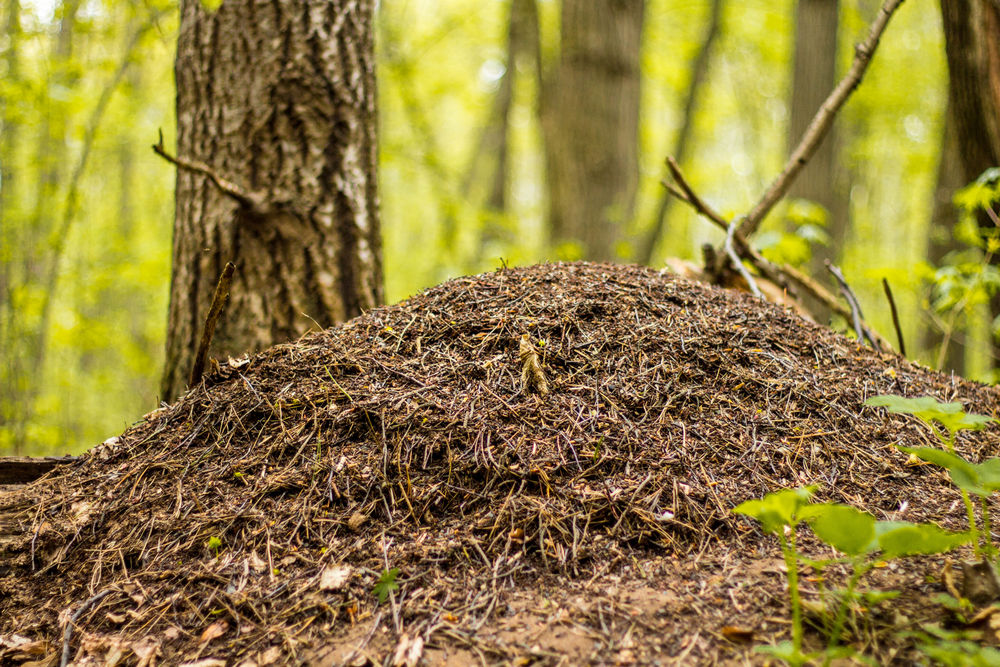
<point x="546" y="459"/>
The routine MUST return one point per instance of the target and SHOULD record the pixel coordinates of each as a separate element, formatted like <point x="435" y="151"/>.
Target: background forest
<point x="86" y="208"/>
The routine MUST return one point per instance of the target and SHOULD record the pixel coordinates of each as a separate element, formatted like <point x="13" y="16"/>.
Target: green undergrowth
<point x="861" y="542"/>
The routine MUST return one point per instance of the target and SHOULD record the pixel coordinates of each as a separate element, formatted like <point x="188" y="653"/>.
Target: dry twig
<point x="214" y="312"/>
<point x="254" y="201"/>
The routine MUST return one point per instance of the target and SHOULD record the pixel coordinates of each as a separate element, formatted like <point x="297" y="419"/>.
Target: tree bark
<point x="972" y="46"/>
<point x="814" y="76"/>
<point x="278" y="98"/>
<point x="590" y="120"/>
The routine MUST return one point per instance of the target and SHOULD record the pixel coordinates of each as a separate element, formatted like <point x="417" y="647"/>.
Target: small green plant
<point x="214" y="544"/>
<point x="979" y="479"/>
<point x="386" y="585"/>
<point x="852" y="532"/>
<point x="955" y="648"/>
<point x="968" y="277"/>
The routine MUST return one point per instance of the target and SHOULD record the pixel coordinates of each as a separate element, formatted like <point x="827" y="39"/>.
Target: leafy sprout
<point x="386" y="585"/>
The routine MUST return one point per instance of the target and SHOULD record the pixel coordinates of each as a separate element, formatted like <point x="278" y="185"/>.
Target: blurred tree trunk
<point x="11" y="361"/>
<point x="972" y="45"/>
<point x="279" y="99"/>
<point x="814" y="76"/>
<point x="699" y="74"/>
<point x="941" y="241"/>
<point x="25" y="342"/>
<point x="590" y="119"/>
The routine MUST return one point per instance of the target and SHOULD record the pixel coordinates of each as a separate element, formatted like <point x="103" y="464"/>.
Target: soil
<point x="546" y="458"/>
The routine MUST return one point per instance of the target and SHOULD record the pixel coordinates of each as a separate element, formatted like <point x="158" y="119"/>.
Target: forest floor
<point x="531" y="466"/>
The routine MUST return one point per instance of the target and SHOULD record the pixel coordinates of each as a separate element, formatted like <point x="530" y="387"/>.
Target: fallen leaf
<point x="737" y="634"/>
<point x="334" y="577"/>
<point x="256" y="563"/>
<point x="205" y="662"/>
<point x="356" y="521"/>
<point x="270" y="656"/>
<point x="213" y="631"/>
<point x="146" y="649"/>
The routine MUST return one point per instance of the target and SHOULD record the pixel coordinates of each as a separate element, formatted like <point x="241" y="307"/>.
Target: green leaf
<point x="386" y="584"/>
<point x="981" y="479"/>
<point x="214" y="543"/>
<point x="786" y="652"/>
<point x="211" y="5"/>
<point x="928" y="409"/>
<point x="896" y="538"/>
<point x="779" y="509"/>
<point x="844" y="528"/>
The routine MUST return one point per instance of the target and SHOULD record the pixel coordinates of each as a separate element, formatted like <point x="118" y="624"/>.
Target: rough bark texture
<point x="279" y="98"/>
<point x="813" y="78"/>
<point x="590" y="117"/>
<point x="972" y="44"/>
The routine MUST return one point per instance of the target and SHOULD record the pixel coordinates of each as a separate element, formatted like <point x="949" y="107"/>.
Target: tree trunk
<point x="279" y="99"/>
<point x="814" y="76"/>
<point x="972" y="45"/>
<point x="941" y="241"/>
<point x="590" y="119"/>
<point x="699" y="75"/>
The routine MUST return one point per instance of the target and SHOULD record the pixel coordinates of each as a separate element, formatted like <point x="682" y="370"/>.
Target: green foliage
<point x="951" y="416"/>
<point x="852" y="532"/>
<point x="386" y="584"/>
<point x="955" y="648"/>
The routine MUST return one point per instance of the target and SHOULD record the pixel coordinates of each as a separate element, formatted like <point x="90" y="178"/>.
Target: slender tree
<point x="814" y="76"/>
<point x="276" y="142"/>
<point x="590" y="120"/>
<point x="972" y="45"/>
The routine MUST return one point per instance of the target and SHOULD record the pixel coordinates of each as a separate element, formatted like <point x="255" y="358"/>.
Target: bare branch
<point x="822" y="121"/>
<point x="254" y="201"/>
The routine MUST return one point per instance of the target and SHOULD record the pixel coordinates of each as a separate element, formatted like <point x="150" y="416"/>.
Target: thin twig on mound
<point x="219" y="300"/>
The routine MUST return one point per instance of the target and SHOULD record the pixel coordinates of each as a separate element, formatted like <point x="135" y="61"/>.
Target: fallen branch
<point x="254" y="201"/>
<point x="218" y="304"/>
<point x="822" y="121"/>
<point x="24" y="469"/>
<point x="68" y="633"/>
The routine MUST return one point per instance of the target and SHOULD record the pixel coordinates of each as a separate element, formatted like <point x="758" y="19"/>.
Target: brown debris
<point x="251" y="520"/>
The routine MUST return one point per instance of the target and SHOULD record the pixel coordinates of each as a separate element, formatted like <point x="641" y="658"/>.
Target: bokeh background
<point x="86" y="208"/>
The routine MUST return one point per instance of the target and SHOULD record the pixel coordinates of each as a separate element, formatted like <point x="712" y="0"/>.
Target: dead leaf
<point x="213" y="631"/>
<point x="256" y="563"/>
<point x="356" y="521"/>
<point x="270" y="656"/>
<point x="737" y="634"/>
<point x="205" y="662"/>
<point x="117" y="619"/>
<point x="334" y="577"/>
<point x="146" y="650"/>
<point x="408" y="651"/>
